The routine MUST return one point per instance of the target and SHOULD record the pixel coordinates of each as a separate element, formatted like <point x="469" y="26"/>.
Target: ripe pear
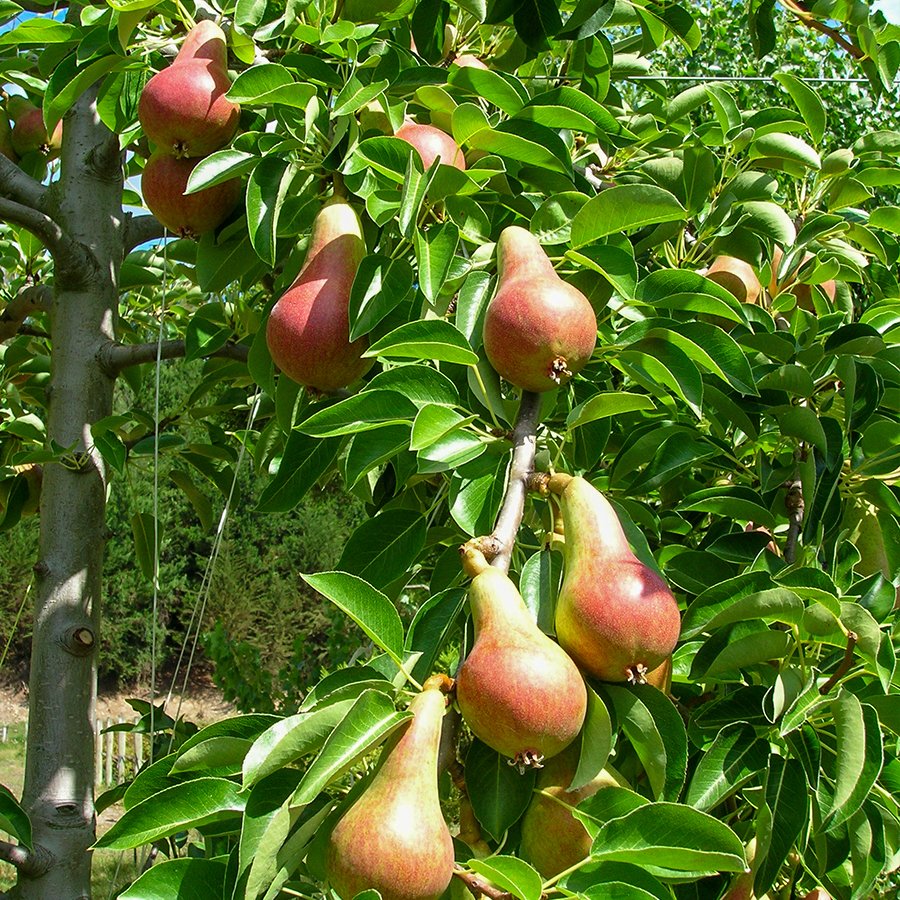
<point x="539" y="331"/>
<point x="803" y="292"/>
<point x="431" y="143"/>
<point x="163" y="184"/>
<point x="183" y="108"/>
<point x="737" y="277"/>
<point x="29" y="134"/>
<point x="394" y="838"/>
<point x="469" y="61"/>
<point x="615" y="616"/>
<point x="517" y="689"/>
<point x="308" y="332"/>
<point x="552" y="838"/>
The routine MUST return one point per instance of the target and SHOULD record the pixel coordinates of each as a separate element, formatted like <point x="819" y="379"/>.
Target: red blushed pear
<point x="308" y="331"/>
<point x="394" y="838"/>
<point x="183" y="109"/>
<point x="737" y="277"/>
<point x="163" y="184"/>
<point x="615" y="616"/>
<point x="431" y="143"/>
<point x="539" y="331"/>
<point x="517" y="689"/>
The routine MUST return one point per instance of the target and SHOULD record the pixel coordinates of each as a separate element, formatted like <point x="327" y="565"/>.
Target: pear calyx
<point x="539" y="331"/>
<point x="517" y="690"/>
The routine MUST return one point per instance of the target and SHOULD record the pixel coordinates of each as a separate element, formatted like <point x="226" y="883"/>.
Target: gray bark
<point x="59" y="769"/>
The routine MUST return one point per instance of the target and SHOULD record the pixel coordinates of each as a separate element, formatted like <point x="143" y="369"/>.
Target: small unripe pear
<point x="517" y="689"/>
<point x="163" y="183"/>
<point x="431" y="143"/>
<point x="615" y="616"/>
<point x="183" y="109"/>
<point x="539" y="331"/>
<point x="29" y="134"/>
<point x="552" y="838"/>
<point x="308" y="331"/>
<point x="394" y="837"/>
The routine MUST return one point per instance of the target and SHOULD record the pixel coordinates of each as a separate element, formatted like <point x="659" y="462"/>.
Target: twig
<point x="810" y="21"/>
<point x="28" y="862"/>
<point x="844" y="667"/>
<point x="18" y="186"/>
<point x="524" y="444"/>
<point x="140" y="229"/>
<point x="114" y="357"/>
<point x="34" y="298"/>
<point x="479" y="887"/>
<point x="794" y="504"/>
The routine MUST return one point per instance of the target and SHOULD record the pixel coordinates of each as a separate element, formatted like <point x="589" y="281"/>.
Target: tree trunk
<point x="59" y="768"/>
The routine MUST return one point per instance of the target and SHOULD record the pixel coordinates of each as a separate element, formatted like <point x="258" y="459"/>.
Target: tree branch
<point x="479" y="887"/>
<point x="64" y="250"/>
<point x="28" y="862"/>
<point x="510" y="516"/>
<point x="34" y="298"/>
<point x="115" y="357"/>
<point x="810" y="21"/>
<point x="18" y="186"/>
<point x="793" y="502"/>
<point x="844" y="667"/>
<point x="140" y="229"/>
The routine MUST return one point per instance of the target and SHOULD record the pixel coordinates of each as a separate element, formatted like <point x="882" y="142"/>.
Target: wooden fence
<point x="118" y="754"/>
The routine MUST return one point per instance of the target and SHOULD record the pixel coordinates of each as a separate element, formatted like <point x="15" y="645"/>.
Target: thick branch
<point x="140" y="229"/>
<point x="844" y="667"/>
<point x="524" y="443"/>
<point x="32" y="299"/>
<point x="479" y="887"/>
<point x="115" y="357"/>
<point x="810" y="21"/>
<point x="18" y="186"/>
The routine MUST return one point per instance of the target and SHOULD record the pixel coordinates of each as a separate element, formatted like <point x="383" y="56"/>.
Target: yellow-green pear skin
<point x="615" y="616"/>
<point x="394" y="838"/>
<point x="553" y="840"/>
<point x="517" y="690"/>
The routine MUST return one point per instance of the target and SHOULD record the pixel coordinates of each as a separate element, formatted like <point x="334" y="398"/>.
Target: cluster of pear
<point x="522" y="694"/>
<point x="186" y="115"/>
<point x="739" y="278"/>
<point x="28" y="133"/>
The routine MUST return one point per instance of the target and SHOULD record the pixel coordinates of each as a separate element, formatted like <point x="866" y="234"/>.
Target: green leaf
<point x="670" y="836"/>
<point x="421" y="385"/>
<point x="370" y="449"/>
<point x="803" y="423"/>
<point x="807" y="101"/>
<point x="596" y="742"/>
<point x="368" y="607"/>
<point x="499" y="794"/>
<point x="426" y="339"/>
<point x="268" y="84"/>
<point x="510" y="874"/>
<point x="886" y="217"/>
<point x="381" y="284"/>
<point x="187" y="879"/>
<point x="502" y="90"/>
<point x="623" y="208"/>
<point x="146" y="532"/>
<point x="732" y="759"/>
<point x="69" y="81"/>
<point x="218" y="167"/>
<point x="40" y="31"/>
<point x="732" y="502"/>
<point x="435" y="248"/>
<point x="354" y="95"/>
<point x="476" y="491"/>
<point x="785" y="146"/>
<point x="656" y="731"/>
<point x="435" y="620"/>
<point x="361" y="412"/>
<point x="539" y="583"/>
<point x="223" y="752"/>
<point x="524" y="142"/>
<point x="604" y="405"/>
<point x="382" y="548"/>
<point x="201" y="801"/>
<point x="304" y="461"/>
<point x="370" y="720"/>
<point x="289" y="739"/>
<point x="13" y="818"/>
<point x="433" y="423"/>
<point x="267" y="190"/>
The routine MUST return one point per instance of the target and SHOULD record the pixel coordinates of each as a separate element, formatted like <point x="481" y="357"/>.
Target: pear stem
<point x="479" y="887"/>
<point x="524" y="446"/>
